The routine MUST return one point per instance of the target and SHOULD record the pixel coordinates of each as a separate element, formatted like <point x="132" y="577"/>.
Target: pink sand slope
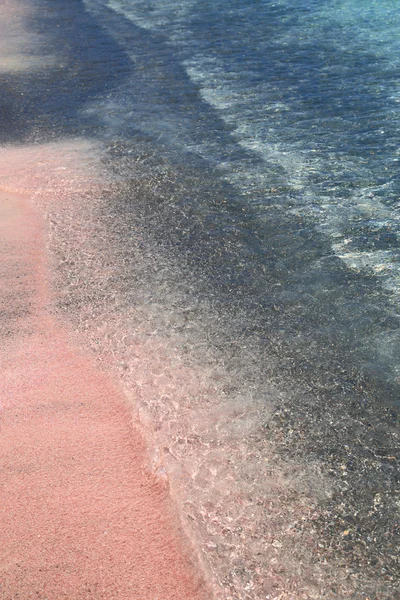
<point x="81" y="515"/>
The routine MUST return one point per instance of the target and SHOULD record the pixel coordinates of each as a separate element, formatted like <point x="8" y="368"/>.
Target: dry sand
<point x="81" y="514"/>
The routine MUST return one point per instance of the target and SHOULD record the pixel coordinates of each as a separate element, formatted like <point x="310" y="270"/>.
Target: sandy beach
<point x="81" y="514"/>
<point x="199" y="325"/>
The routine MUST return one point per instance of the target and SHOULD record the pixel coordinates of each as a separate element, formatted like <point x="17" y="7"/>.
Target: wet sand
<point x="81" y="513"/>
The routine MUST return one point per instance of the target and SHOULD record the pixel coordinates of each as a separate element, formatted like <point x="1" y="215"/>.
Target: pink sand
<point x="81" y="514"/>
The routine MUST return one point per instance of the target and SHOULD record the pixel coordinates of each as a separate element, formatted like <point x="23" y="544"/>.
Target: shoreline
<point x="207" y="441"/>
<point x="129" y="273"/>
<point x="82" y="510"/>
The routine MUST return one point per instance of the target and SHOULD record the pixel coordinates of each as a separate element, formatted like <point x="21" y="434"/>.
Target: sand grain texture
<point x="81" y="514"/>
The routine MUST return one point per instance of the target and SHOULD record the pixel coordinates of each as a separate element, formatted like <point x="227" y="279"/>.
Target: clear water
<point x="296" y="106"/>
<point x="244" y="265"/>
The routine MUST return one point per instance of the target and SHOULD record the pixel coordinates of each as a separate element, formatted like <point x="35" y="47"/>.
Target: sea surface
<point x="251" y="228"/>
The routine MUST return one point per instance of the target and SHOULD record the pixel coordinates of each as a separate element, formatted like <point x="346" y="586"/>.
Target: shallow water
<point x="296" y="110"/>
<point x="233" y="255"/>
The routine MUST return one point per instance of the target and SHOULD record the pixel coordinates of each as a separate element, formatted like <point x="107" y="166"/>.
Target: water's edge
<point x="239" y="341"/>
